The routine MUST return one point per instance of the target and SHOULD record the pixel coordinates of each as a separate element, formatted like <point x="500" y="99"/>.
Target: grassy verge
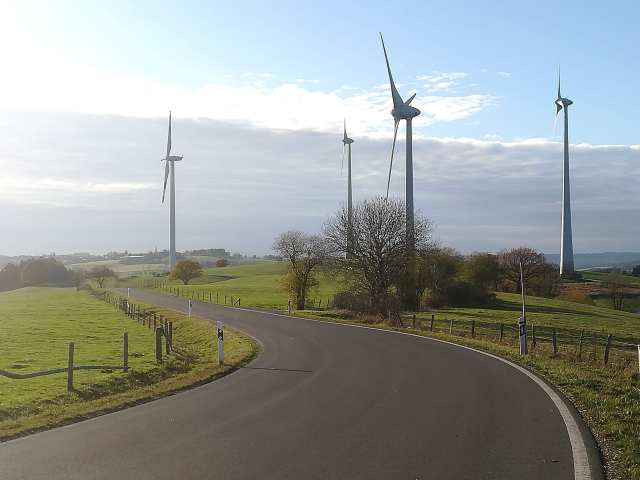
<point x="608" y="397"/>
<point x="38" y="323"/>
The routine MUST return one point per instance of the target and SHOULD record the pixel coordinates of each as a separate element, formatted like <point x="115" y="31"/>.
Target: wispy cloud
<point x="504" y="74"/>
<point x="439" y="82"/>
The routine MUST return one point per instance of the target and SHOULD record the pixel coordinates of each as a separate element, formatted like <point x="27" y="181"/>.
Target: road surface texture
<point x="321" y="401"/>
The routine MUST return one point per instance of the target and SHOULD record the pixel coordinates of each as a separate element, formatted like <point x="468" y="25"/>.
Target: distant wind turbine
<point x="566" y="241"/>
<point x="346" y="142"/>
<point x="404" y="111"/>
<point x="169" y="171"/>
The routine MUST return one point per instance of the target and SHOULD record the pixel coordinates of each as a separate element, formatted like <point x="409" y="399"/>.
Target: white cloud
<point x="504" y="74"/>
<point x="46" y="78"/>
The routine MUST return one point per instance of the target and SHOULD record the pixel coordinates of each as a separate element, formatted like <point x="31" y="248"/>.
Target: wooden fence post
<point x="159" y="345"/>
<point x="580" y="344"/>
<point x="217" y="299"/>
<point x="533" y="334"/>
<point x="433" y="317"/>
<point x="414" y="321"/>
<point x="171" y="335"/>
<point x="606" y="350"/>
<point x="210" y="298"/>
<point x="125" y="351"/>
<point x="70" y="368"/>
<point x="225" y="299"/>
<point x="501" y="331"/>
<point x="167" y="340"/>
<point x="473" y="329"/>
<point x="554" y="339"/>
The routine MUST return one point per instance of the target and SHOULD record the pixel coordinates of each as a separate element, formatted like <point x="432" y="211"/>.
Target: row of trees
<point x="37" y="272"/>
<point x="376" y="265"/>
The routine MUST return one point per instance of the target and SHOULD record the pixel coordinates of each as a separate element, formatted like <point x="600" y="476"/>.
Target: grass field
<point x="122" y="270"/>
<point x="36" y="325"/>
<point x="602" y="277"/>
<point x="257" y="284"/>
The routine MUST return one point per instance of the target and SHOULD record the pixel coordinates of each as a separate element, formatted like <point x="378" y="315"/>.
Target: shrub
<point x="577" y="297"/>
<point x="223" y="262"/>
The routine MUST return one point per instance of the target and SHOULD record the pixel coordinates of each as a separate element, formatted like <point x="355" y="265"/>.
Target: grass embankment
<point x="36" y="325"/>
<point x="607" y="396"/>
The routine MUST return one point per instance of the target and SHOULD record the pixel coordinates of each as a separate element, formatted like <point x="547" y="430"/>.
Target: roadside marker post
<point x="189" y="305"/>
<point x="522" y="327"/>
<point x="220" y="328"/>
<point x="522" y="321"/>
<point x="128" y="292"/>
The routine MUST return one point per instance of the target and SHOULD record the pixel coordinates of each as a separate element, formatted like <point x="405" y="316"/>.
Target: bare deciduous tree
<point x="616" y="283"/>
<point x="378" y="258"/>
<point x="304" y="253"/>
<point x="100" y="274"/>
<point x="533" y="264"/>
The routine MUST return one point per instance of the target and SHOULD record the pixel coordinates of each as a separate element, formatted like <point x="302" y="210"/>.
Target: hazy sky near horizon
<point x="259" y="92"/>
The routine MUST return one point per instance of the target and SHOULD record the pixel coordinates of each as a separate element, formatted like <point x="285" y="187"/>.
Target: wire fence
<point x="577" y="344"/>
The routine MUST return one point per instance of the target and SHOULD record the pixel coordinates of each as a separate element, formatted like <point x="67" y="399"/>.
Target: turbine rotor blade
<point x="169" y="137"/>
<point x="393" y="147"/>
<point x="408" y="102"/>
<point x="166" y="176"/>
<point x="397" y="99"/>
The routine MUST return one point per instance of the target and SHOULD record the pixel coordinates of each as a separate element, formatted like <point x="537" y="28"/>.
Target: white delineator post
<point x="522" y="321"/>
<point x="220" y="329"/>
<point x="189" y="306"/>
<point x="128" y="292"/>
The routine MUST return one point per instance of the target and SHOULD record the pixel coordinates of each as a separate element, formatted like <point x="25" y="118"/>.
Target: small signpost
<point x="522" y="321"/>
<point x="220" y="329"/>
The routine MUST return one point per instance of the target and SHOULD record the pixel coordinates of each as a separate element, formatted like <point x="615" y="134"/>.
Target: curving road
<point x="322" y="401"/>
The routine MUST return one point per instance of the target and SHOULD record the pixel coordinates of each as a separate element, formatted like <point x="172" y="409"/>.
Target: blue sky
<point x="90" y="84"/>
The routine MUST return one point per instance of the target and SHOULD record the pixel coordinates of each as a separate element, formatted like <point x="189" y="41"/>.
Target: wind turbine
<point x="402" y="110"/>
<point x="566" y="241"/>
<point x="169" y="171"/>
<point x="346" y="142"/>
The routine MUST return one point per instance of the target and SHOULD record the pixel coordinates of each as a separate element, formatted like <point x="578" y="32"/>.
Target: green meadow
<point x="36" y="326"/>
<point x="258" y="285"/>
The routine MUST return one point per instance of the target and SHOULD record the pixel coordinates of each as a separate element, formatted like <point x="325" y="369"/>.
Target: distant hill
<point x="594" y="260"/>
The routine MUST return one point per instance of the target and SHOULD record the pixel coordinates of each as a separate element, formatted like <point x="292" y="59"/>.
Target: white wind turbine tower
<point x="346" y="142"/>
<point x="566" y="241"/>
<point x="404" y="111"/>
<point x="169" y="171"/>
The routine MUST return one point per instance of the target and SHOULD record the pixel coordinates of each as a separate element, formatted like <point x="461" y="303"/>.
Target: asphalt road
<point x="322" y="401"/>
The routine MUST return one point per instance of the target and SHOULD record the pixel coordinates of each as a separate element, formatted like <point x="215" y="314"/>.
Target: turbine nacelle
<point x="405" y="112"/>
<point x="172" y="158"/>
<point x="563" y="102"/>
